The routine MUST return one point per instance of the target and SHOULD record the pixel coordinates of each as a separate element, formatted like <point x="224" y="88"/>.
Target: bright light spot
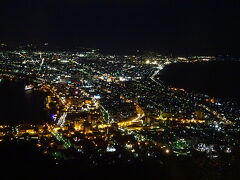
<point x="97" y="96"/>
<point x="167" y="151"/>
<point x="110" y="149"/>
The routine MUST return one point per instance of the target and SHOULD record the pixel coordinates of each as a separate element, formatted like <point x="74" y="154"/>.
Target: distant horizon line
<point x="116" y="49"/>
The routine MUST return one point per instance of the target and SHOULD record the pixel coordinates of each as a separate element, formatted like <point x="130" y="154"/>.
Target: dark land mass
<point x="218" y="79"/>
<point x="21" y="159"/>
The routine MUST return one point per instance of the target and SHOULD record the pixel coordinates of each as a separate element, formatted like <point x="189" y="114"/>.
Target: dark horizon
<point x="175" y="27"/>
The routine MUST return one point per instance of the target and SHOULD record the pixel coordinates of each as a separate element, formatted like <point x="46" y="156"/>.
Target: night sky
<point x="175" y="26"/>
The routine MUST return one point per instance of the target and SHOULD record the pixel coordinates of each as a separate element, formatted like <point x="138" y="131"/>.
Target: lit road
<point x="159" y="68"/>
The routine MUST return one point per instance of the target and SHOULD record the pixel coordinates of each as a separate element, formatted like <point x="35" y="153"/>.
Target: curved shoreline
<point x="19" y="106"/>
<point x="219" y="79"/>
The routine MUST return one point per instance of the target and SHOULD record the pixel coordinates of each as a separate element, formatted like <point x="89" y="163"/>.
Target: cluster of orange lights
<point x="184" y="121"/>
<point x="177" y="89"/>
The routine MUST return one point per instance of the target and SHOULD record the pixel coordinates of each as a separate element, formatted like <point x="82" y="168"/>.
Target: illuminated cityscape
<point x="113" y="109"/>
<point x="99" y="89"/>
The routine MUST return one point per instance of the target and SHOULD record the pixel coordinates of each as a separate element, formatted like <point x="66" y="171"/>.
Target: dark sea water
<point x="219" y="79"/>
<point x="18" y="106"/>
